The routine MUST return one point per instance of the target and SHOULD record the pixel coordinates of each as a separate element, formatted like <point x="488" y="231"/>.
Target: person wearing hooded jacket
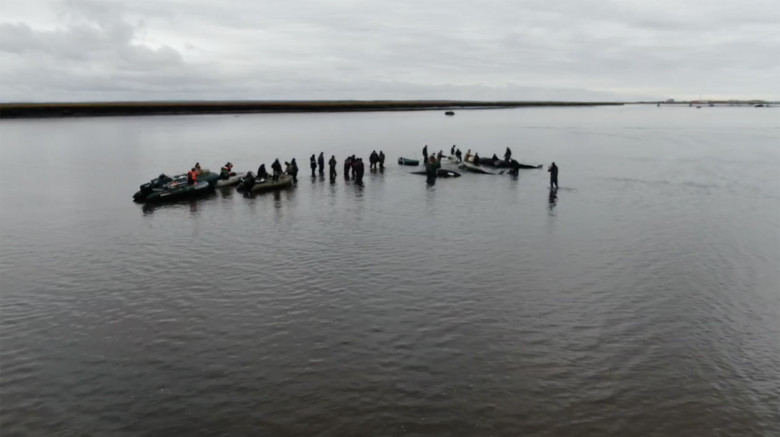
<point x="321" y="163"/>
<point x="277" y="169"/>
<point x="332" y="164"/>
<point x="294" y="171"/>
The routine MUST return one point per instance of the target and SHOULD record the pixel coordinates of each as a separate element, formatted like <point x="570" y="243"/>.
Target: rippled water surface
<point x="642" y="300"/>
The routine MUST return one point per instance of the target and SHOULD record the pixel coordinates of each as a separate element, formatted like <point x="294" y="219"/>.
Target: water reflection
<point x="552" y="200"/>
<point x="149" y="208"/>
<point x="226" y="192"/>
<point x="277" y="199"/>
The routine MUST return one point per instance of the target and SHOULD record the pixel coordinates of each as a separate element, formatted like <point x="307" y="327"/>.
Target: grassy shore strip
<point x="92" y="109"/>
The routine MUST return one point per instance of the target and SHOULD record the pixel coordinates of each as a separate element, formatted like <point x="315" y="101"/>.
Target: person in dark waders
<point x="359" y="170"/>
<point x="553" y="176"/>
<point x="373" y="160"/>
<point x="288" y="168"/>
<point x="514" y="170"/>
<point x="381" y="160"/>
<point x="347" y="167"/>
<point x="332" y="165"/>
<point x="507" y="155"/>
<point x="321" y="163"/>
<point x="294" y="170"/>
<point x="277" y="169"/>
<point x="431" y="170"/>
<point x="425" y="153"/>
<point x="247" y="182"/>
<point x="313" y="164"/>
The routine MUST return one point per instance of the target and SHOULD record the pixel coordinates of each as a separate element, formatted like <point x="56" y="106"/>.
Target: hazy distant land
<point x="93" y="109"/>
<point x="34" y="110"/>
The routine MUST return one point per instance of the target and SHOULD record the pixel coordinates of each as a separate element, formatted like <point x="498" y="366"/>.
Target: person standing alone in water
<point x="321" y="163"/>
<point x="553" y="175"/>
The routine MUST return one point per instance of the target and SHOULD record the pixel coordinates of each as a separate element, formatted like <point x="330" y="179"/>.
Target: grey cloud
<point x="494" y="49"/>
<point x="94" y="54"/>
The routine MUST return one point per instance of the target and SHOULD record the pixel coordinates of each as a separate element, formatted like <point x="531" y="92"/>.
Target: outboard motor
<point x="144" y="190"/>
<point x="147" y="188"/>
<point x="157" y="182"/>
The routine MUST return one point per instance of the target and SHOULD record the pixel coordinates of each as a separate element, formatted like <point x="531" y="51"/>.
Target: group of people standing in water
<point x="472" y="158"/>
<point x="353" y="167"/>
<point x="433" y="163"/>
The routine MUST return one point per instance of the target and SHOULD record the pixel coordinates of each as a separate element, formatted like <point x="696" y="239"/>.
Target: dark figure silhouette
<point x="476" y="159"/>
<point x="514" y="169"/>
<point x="459" y="155"/>
<point x="507" y="154"/>
<point x="425" y="152"/>
<point x="277" y="168"/>
<point x="452" y="150"/>
<point x="332" y="165"/>
<point x="294" y="170"/>
<point x="321" y="163"/>
<point x="440" y="155"/>
<point x="373" y="160"/>
<point x="553" y="175"/>
<point x="359" y="170"/>
<point x="431" y="170"/>
<point x="354" y="167"/>
<point x="313" y="164"/>
<point x="262" y="173"/>
<point x="381" y="160"/>
<point x="247" y="182"/>
<point x="347" y="167"/>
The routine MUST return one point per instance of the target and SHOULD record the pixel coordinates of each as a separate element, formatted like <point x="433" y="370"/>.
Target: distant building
<point x="669" y="100"/>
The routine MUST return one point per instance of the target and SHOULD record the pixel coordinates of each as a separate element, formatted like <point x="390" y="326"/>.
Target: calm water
<point x="644" y="300"/>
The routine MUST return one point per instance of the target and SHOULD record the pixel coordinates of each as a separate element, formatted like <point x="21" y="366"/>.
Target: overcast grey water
<point x="643" y="299"/>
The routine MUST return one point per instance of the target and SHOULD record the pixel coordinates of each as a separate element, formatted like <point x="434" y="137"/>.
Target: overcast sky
<point x="84" y="50"/>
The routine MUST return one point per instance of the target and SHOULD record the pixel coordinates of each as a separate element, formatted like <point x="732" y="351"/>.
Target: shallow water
<point x="643" y="299"/>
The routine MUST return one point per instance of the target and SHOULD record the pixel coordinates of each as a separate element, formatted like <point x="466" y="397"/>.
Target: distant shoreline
<point x="103" y="109"/>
